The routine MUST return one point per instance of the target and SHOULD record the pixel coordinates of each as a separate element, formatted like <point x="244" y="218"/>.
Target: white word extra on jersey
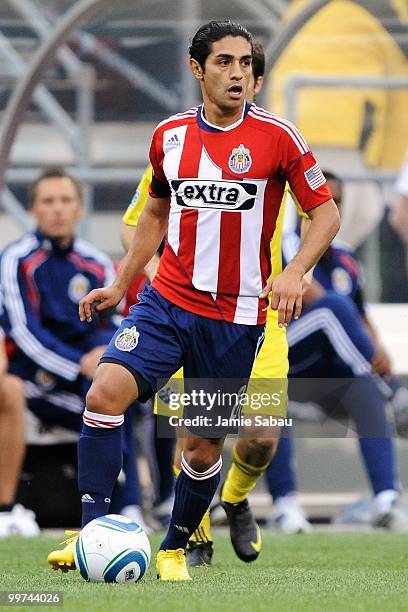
<point x="226" y="187"/>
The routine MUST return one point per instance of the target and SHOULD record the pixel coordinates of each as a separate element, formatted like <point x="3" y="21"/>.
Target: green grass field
<point x="308" y="572"/>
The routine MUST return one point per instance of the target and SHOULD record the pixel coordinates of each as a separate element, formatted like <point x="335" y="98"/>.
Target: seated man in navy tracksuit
<point x="334" y="339"/>
<point x="43" y="276"/>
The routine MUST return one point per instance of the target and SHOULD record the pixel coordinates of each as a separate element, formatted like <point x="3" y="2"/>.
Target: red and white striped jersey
<point x="226" y="187"/>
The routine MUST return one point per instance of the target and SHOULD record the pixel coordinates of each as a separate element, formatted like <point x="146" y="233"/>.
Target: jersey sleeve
<point x="134" y="210"/>
<point x="159" y="186"/>
<point x="302" y="171"/>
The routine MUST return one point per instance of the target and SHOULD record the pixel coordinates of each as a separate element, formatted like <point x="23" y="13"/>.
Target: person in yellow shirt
<point x="251" y="454"/>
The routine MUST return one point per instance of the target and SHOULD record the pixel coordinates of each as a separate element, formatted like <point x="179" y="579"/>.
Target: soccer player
<point x="44" y="274"/>
<point x="219" y="173"/>
<point x="254" y="454"/>
<point x="334" y="338"/>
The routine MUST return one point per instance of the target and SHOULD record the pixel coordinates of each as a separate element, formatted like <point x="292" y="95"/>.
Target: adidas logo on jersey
<point x="171" y="143"/>
<point x="221" y="195"/>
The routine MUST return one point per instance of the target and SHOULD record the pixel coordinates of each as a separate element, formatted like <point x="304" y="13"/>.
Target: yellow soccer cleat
<point x="171" y="565"/>
<point x="64" y="559"/>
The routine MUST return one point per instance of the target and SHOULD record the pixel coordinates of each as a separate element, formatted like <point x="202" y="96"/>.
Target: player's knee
<point x="263" y="447"/>
<point x="102" y="400"/>
<point x="265" y="443"/>
<point x="201" y="457"/>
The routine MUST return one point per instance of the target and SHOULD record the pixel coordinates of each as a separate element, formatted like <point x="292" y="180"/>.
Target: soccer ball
<point x="112" y="548"/>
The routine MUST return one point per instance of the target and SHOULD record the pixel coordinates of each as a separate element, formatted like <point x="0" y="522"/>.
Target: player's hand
<point x="286" y="289"/>
<point x="99" y="299"/>
<point x="381" y="363"/>
<point x="89" y="362"/>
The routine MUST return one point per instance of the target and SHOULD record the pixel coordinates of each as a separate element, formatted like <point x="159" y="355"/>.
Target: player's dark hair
<point x="258" y="60"/>
<point x="52" y="173"/>
<point x="331" y="176"/>
<point x="209" y="33"/>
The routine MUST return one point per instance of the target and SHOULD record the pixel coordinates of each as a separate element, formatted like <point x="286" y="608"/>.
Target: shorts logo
<point x="128" y="339"/>
<point x="240" y="160"/>
<point x="220" y="195"/>
<point x="78" y="287"/>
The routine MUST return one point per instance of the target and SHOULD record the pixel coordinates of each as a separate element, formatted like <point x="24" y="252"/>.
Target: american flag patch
<point x="315" y="177"/>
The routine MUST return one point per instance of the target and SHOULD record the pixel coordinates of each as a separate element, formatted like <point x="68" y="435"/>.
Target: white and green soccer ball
<point x="112" y="548"/>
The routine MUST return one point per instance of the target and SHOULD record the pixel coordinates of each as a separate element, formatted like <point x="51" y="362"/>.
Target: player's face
<point x="57" y="207"/>
<point x="228" y="70"/>
<point x="337" y="191"/>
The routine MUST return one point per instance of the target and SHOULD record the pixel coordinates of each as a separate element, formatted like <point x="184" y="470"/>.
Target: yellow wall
<point x="345" y="39"/>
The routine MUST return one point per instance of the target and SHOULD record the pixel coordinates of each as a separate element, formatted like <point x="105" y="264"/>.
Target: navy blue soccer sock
<point x="280" y="474"/>
<point x="193" y="494"/>
<point x="99" y="462"/>
<point x="128" y="493"/>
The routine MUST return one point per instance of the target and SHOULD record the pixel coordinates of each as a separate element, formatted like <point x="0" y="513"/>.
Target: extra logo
<point x="78" y="287"/>
<point x="240" y="160"/>
<point x="220" y="195"/>
<point x="128" y="339"/>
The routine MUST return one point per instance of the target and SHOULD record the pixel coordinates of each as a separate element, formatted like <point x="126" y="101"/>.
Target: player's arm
<point x="126" y="235"/>
<point x="309" y="185"/>
<point x="286" y="288"/>
<point x="148" y="234"/>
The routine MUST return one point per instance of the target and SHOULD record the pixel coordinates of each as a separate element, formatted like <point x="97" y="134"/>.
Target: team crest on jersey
<point x="128" y="339"/>
<point x="342" y="282"/>
<point x="240" y="160"/>
<point x="78" y="287"/>
<point x="45" y="380"/>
